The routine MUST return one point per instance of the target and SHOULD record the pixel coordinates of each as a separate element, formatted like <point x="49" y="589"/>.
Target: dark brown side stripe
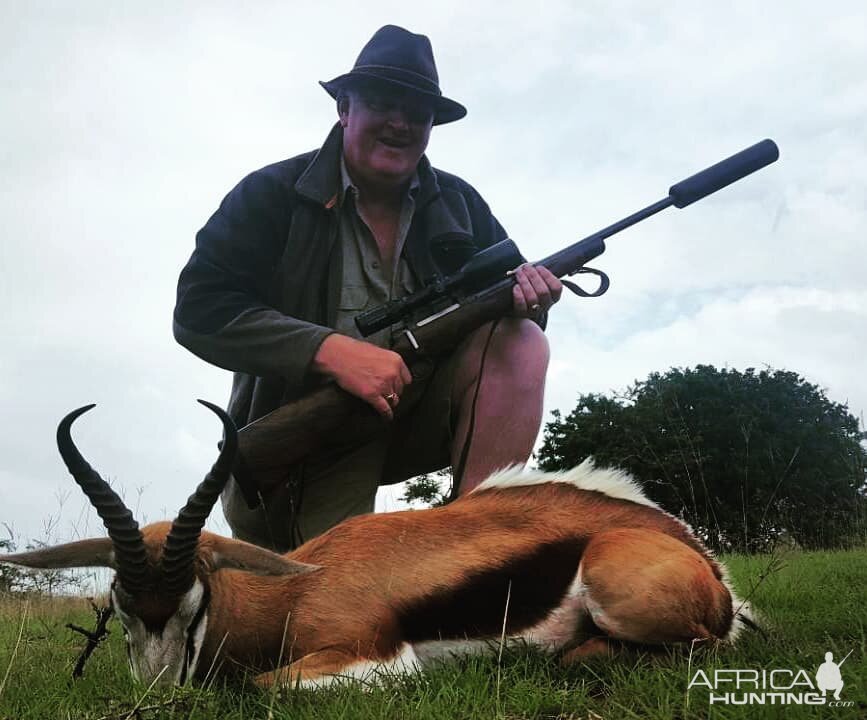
<point x="539" y="581"/>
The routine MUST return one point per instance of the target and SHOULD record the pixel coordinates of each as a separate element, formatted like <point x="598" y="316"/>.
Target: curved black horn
<point x="129" y="549"/>
<point x="183" y="538"/>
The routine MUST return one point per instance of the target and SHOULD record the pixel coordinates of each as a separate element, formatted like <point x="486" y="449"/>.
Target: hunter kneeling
<point x="299" y="248"/>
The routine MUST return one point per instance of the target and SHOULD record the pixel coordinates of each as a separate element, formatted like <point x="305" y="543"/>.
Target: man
<point x="299" y="248"/>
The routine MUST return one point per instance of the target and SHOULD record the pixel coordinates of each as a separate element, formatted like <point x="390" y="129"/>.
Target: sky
<point x="124" y="124"/>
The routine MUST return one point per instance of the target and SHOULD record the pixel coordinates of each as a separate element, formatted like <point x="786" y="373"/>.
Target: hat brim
<point x="445" y="109"/>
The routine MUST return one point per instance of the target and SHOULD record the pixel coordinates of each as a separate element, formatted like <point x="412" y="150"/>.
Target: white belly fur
<point x="369" y="672"/>
<point x="558" y="629"/>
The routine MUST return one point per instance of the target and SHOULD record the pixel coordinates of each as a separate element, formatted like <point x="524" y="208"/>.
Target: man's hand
<point x="371" y="373"/>
<point x="536" y="290"/>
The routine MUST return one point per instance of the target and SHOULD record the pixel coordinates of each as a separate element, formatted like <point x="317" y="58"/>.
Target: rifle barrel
<point x="681" y="194"/>
<point x="844" y="659"/>
<point x="563" y="261"/>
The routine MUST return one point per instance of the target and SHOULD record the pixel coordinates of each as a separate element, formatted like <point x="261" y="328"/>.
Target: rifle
<point x="844" y="659"/>
<point x="435" y="319"/>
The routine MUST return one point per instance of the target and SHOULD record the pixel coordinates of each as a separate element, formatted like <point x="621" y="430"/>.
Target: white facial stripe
<point x="150" y="652"/>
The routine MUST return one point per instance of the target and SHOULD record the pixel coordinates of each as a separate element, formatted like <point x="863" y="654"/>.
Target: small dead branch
<point x="94" y="638"/>
<point x="141" y="710"/>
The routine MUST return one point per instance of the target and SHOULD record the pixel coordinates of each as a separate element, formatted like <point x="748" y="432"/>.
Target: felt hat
<point x="397" y="58"/>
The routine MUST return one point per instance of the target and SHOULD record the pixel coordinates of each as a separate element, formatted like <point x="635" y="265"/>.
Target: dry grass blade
<point x="503" y="641"/>
<point x="15" y="651"/>
<point x="775" y="564"/>
<point x="146" y="693"/>
<point x="276" y="685"/>
<point x="689" y="672"/>
<point x="209" y="678"/>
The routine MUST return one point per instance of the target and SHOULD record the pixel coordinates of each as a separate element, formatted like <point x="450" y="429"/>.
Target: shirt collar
<point x="320" y="181"/>
<point x="346" y="183"/>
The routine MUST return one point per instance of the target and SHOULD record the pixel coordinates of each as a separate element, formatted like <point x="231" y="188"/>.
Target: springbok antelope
<point x="577" y="563"/>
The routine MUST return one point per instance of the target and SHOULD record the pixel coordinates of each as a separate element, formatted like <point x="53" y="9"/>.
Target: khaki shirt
<point x="366" y="282"/>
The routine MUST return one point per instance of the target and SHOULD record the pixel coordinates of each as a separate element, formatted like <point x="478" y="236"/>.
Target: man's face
<point x="385" y="133"/>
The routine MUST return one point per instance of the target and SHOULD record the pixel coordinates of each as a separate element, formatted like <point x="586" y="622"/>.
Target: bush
<point x="745" y="457"/>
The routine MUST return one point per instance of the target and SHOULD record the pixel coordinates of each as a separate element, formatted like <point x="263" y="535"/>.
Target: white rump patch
<point x="740" y="607"/>
<point x="612" y="482"/>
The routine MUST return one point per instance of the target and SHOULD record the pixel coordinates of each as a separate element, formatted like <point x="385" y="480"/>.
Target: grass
<point x="812" y="602"/>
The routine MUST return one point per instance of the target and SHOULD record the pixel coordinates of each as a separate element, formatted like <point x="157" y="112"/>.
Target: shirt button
<point x="375" y="264"/>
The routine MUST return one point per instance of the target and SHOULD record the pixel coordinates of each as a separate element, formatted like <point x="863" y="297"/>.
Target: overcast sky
<point x="124" y="124"/>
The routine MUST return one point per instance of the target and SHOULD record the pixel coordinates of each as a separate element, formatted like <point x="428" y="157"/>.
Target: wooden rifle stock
<point x="270" y="445"/>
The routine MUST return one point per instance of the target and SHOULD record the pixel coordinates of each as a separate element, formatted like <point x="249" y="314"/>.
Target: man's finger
<point x="380" y="404"/>
<point x="540" y="287"/>
<point x="529" y="292"/>
<point x="405" y="375"/>
<point x="519" y="303"/>
<point x="554" y="284"/>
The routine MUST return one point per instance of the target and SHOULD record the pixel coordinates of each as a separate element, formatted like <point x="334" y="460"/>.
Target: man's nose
<point x="398" y="118"/>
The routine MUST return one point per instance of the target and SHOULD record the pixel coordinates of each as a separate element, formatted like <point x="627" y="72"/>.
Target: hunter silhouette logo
<point x="779" y="686"/>
<point x="828" y="675"/>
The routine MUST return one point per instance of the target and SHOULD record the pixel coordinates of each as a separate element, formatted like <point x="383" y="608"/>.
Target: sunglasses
<point x="416" y="112"/>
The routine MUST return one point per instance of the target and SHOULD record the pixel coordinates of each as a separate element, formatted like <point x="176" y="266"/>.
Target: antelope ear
<point x="95" y="552"/>
<point x="233" y="554"/>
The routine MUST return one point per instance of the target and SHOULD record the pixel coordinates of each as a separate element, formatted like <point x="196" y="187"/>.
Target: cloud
<point x="820" y="334"/>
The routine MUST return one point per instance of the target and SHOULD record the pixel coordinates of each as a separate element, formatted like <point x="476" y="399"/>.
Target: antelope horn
<point x="126" y="539"/>
<point x="183" y="538"/>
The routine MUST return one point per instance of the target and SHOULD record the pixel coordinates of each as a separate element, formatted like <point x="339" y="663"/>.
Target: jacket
<point x="261" y="289"/>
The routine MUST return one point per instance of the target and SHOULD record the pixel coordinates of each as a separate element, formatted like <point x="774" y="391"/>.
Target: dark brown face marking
<point x="153" y="609"/>
<point x="539" y="581"/>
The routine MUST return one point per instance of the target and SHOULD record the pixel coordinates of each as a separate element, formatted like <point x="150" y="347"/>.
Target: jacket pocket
<point x="353" y="297"/>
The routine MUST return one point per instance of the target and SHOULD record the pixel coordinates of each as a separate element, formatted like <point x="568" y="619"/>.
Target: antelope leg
<point x="646" y="587"/>
<point x="325" y="667"/>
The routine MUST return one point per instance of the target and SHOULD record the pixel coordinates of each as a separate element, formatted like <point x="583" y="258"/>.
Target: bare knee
<point x="523" y="335"/>
<point x="517" y="353"/>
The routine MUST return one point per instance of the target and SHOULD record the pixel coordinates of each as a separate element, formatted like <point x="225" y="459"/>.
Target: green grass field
<point x="811" y="602"/>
